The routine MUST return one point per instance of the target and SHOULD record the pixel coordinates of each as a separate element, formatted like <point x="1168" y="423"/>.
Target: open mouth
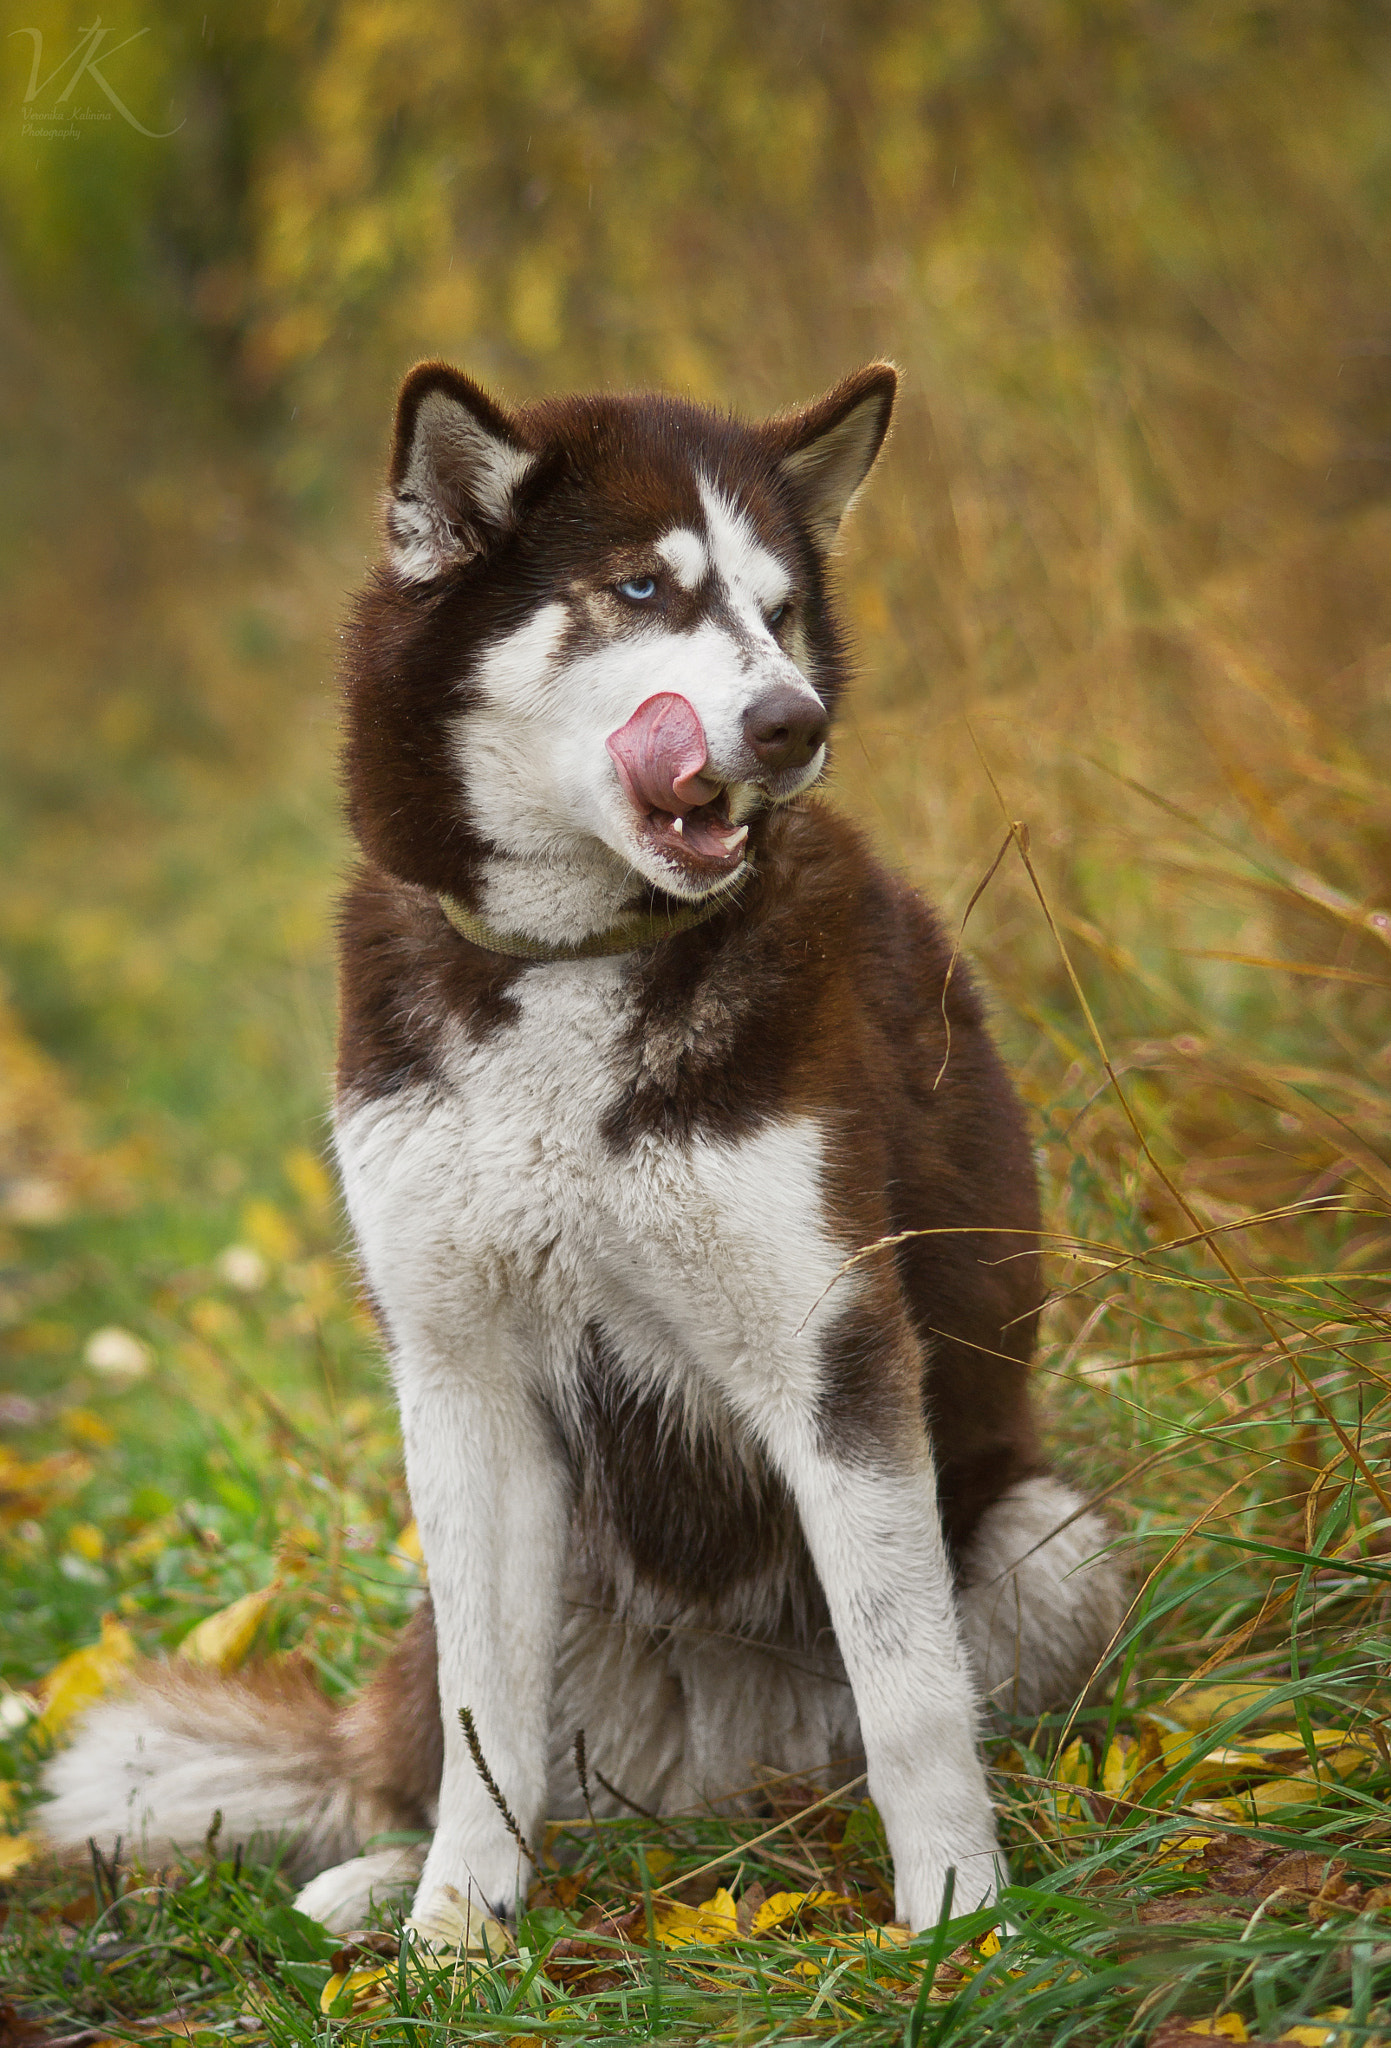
<point x="682" y="808"/>
<point x="702" y="838"/>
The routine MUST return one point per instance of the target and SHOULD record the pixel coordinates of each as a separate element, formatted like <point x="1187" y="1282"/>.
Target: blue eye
<point x="777" y="615"/>
<point x="638" y="588"/>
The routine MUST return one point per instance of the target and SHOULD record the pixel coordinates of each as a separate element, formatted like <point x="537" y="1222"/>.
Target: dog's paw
<point x="920" y="1884"/>
<point x="447" y="1924"/>
<point x="343" y="1896"/>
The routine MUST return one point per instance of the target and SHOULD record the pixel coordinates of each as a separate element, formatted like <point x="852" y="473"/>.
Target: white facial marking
<point x="685" y="556"/>
<point x="530" y="749"/>
<point x="755" y="579"/>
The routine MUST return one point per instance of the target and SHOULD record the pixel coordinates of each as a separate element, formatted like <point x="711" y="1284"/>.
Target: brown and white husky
<point x="640" y="1048"/>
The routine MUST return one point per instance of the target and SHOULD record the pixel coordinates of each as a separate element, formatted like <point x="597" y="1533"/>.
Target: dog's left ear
<point x="457" y="463"/>
<point x="827" y="449"/>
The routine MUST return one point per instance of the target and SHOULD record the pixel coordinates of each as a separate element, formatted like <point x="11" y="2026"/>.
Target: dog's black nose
<point x="785" y="727"/>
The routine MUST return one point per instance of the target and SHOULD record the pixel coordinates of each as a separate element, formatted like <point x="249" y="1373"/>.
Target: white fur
<point x="343" y="1897"/>
<point x="1041" y="1601"/>
<point x="495" y="1226"/>
<point x="157" y="1786"/>
<point x="753" y="577"/>
<point x="535" y="772"/>
<point x="685" y="555"/>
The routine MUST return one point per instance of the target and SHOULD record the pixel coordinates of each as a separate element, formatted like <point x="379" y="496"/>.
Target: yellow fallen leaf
<point x="86" y="1539"/>
<point x="709" y="1923"/>
<point x="1207" y="1704"/>
<point x="309" y="1178"/>
<point x="1183" y="1848"/>
<point x="1260" y="1800"/>
<point x="1322" y="2031"/>
<point x="1275" y="1752"/>
<point x="81" y="1679"/>
<point x="784" y="1906"/>
<point x="84" y="1426"/>
<point x="1073" y="1767"/>
<point x="989" y="1944"/>
<point x="1229" y="2026"/>
<point x="15" y="1852"/>
<point x="224" y="1639"/>
<point x="1337" y="1749"/>
<point x="407" y="1550"/>
<point x="27" y="1486"/>
<point x="890" y="1935"/>
<point x="1127" y="1759"/>
<point x="353" y="1988"/>
<point x="269" y="1231"/>
<point x="149" y="1543"/>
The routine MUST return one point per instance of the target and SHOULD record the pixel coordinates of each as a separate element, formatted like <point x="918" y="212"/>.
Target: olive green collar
<point x="628" y="933"/>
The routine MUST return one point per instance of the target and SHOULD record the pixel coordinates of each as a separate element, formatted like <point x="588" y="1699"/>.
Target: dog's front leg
<point x="870" y="1516"/>
<point x="491" y="1494"/>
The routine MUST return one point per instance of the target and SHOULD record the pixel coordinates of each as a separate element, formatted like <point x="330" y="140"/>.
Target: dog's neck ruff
<point x="626" y="934"/>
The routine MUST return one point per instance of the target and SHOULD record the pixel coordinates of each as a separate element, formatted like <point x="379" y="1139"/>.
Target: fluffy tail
<point x="265" y="1749"/>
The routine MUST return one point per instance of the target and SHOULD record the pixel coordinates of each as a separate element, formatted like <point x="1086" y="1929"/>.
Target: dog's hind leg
<point x="1040" y="1600"/>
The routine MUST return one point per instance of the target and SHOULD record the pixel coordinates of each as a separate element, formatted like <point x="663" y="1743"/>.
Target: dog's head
<point x="602" y="642"/>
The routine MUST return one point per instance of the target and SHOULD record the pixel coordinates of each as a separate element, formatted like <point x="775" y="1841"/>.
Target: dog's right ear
<point x="456" y="466"/>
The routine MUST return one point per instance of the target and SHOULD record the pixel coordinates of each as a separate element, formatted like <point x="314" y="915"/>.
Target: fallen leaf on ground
<point x="1173" y="2033"/>
<point x="350" y="1991"/>
<point x="785" y="1906"/>
<point x="448" y="1924"/>
<point x="84" y="1426"/>
<point x="1070" y="1811"/>
<point x="81" y="1679"/>
<point x="15" y="1852"/>
<point x="1281" y="1751"/>
<point x="223" y="1640"/>
<point x="1207" y="1704"/>
<point x="1322" y="2031"/>
<point x="1127" y="1758"/>
<point x="28" y="1485"/>
<point x="1259" y="1801"/>
<point x="715" y="1920"/>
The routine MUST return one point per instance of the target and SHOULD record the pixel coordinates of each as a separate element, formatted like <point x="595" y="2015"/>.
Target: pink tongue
<point x="661" y="754"/>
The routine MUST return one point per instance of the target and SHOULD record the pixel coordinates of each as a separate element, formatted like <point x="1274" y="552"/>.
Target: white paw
<point x="920" y="1884"/>
<point x="445" y="1922"/>
<point x="342" y="1897"/>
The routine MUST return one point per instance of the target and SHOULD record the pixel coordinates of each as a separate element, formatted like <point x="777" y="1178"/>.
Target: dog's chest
<point x="495" y="1191"/>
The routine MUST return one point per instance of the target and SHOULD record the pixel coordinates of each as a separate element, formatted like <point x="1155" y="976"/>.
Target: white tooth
<point x="678" y="826"/>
